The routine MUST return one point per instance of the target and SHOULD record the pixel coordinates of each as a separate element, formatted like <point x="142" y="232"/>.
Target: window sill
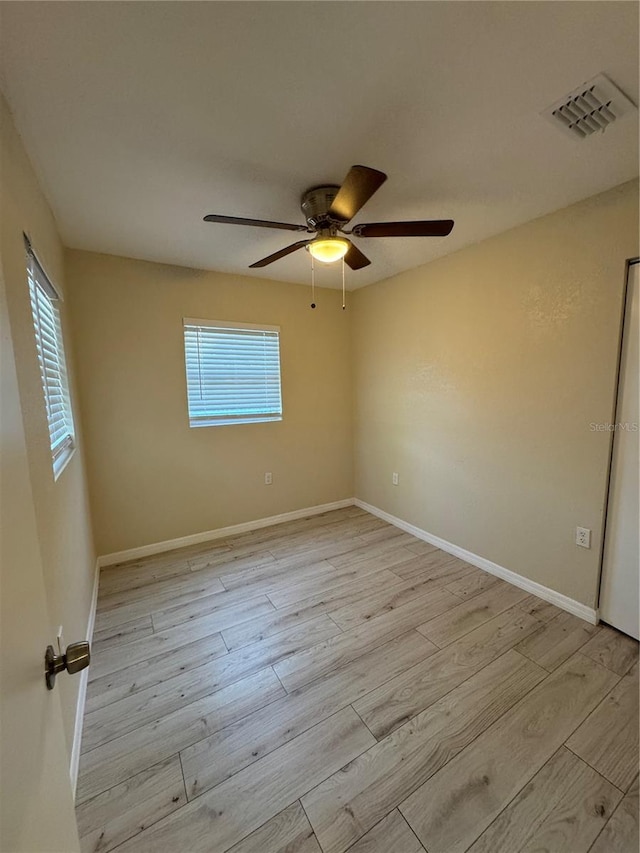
<point x="61" y="462"/>
<point x="204" y="422"/>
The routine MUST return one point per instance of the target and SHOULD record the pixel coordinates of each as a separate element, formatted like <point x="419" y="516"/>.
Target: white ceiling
<point x="140" y="118"/>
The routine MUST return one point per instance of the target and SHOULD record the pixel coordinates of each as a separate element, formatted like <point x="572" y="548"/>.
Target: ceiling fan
<point x="328" y="209"/>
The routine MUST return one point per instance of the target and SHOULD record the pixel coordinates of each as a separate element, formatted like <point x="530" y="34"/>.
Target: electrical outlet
<point x="583" y="537"/>
<point x="268" y="478"/>
<point x="394" y="478"/>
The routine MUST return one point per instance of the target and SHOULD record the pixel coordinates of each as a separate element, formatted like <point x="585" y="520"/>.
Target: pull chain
<point x="343" y="299"/>
<point x="313" y="284"/>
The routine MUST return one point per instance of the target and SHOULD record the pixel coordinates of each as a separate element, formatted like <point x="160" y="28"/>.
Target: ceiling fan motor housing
<point x="315" y="204"/>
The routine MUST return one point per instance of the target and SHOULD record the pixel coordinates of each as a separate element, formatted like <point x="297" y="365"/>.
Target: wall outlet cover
<point x="583" y="537"/>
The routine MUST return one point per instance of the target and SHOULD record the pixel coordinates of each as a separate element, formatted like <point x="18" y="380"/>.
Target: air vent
<point x="589" y="108"/>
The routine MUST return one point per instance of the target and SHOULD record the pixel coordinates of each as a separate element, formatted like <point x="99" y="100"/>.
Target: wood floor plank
<point x="406" y="695"/>
<point x="119" y="635"/>
<point x="316" y="528"/>
<point x="621" y="835"/>
<point x="264" y="536"/>
<point x="375" y="551"/>
<point x="316" y="661"/>
<point x="430" y="558"/>
<point x="237" y="558"/>
<point x="191" y="579"/>
<point x="146" y="675"/>
<point x="461" y="620"/>
<point x="114" y="760"/>
<point x="125" y="610"/>
<point x="608" y="738"/>
<point x="356" y="798"/>
<point x="214" y="759"/>
<point x="419" y="546"/>
<point x="123" y="811"/>
<point x="220" y="818"/>
<point x="316" y="551"/>
<point x="221" y="618"/>
<point x="391" y="835"/>
<point x="290" y="594"/>
<point x="556" y="641"/>
<point x="150" y="561"/>
<point x="196" y="583"/>
<point x="456" y="805"/>
<point x="388" y="558"/>
<point x="277" y="577"/>
<point x="339" y="538"/>
<point x="335" y="594"/>
<point x="171" y="687"/>
<point x="149" y="570"/>
<point x="374" y="603"/>
<point x="303" y="610"/>
<point x="436" y="566"/>
<point x="169" y="617"/>
<point x="311" y="524"/>
<point x="612" y="649"/>
<point x="380" y="534"/>
<point x="110" y="660"/>
<point x="564" y="807"/>
<point x="542" y="610"/>
<point x="473" y="584"/>
<point x="287" y="832"/>
<point x="342" y="536"/>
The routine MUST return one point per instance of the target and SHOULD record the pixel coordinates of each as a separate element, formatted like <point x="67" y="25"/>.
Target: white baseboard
<point x="219" y="533"/>
<point x="544" y="592"/>
<point x="82" y="689"/>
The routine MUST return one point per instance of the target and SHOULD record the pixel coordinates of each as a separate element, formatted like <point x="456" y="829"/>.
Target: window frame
<point x="229" y="418"/>
<point x="44" y="300"/>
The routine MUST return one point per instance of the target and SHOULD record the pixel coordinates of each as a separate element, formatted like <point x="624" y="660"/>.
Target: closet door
<point x="619" y="592"/>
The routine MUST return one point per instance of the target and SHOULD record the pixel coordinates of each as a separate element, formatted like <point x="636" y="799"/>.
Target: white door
<point x="619" y="591"/>
<point x="36" y="814"/>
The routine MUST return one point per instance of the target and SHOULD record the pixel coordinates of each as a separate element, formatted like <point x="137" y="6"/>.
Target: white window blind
<point x="53" y="369"/>
<point x="233" y="372"/>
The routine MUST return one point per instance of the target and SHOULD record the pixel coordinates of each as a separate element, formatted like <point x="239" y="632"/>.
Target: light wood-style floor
<point x="335" y="684"/>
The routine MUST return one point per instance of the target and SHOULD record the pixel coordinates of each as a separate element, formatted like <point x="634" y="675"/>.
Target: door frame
<point x="616" y="399"/>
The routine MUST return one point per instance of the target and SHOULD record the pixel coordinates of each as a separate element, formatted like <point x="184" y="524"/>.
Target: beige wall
<point x="154" y="478"/>
<point x="477" y="377"/>
<point x="62" y="508"/>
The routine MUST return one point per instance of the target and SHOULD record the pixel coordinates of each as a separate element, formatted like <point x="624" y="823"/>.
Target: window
<point x="233" y="373"/>
<point x="53" y="368"/>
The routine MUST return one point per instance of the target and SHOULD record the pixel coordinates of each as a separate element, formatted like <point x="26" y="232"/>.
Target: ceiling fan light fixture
<point x="328" y="249"/>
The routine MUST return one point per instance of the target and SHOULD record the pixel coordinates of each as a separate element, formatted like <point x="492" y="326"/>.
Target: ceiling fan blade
<point x="355" y="259"/>
<point x="281" y="254"/>
<point x="262" y="223"/>
<point x="424" y="228"/>
<point x="356" y="190"/>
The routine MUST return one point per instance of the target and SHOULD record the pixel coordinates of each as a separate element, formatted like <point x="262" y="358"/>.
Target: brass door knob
<point x="77" y="656"/>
